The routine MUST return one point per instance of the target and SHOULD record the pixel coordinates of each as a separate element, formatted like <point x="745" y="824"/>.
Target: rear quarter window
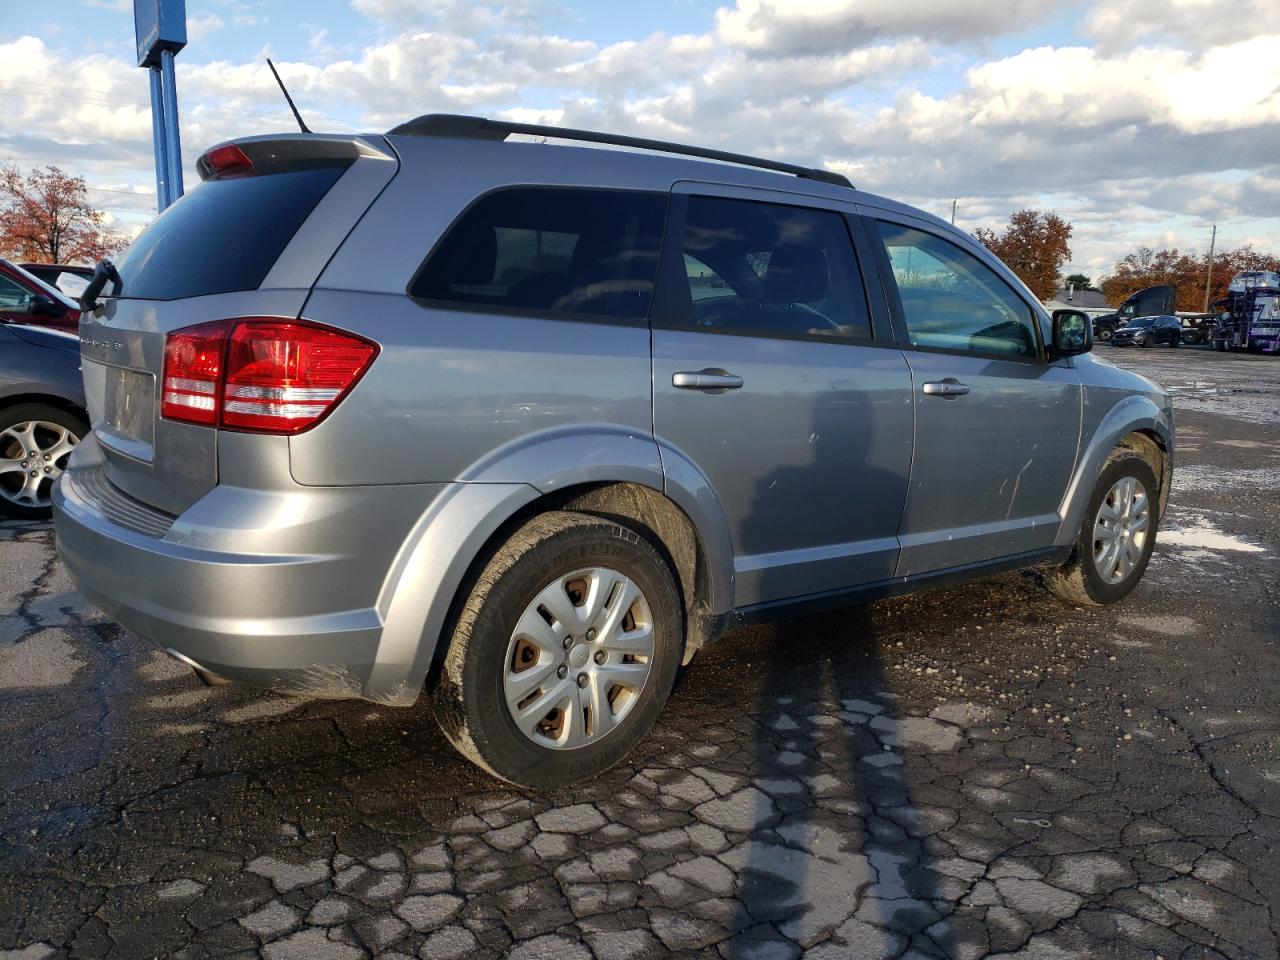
<point x="223" y="236"/>
<point x="552" y="250"/>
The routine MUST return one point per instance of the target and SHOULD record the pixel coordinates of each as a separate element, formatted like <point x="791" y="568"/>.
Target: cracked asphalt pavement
<point x="979" y="771"/>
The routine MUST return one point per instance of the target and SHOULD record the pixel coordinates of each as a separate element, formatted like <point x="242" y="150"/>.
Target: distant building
<point x="1090" y="301"/>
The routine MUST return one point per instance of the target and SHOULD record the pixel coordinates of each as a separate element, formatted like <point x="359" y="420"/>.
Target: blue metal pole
<point x="158" y="140"/>
<point x="173" y="144"/>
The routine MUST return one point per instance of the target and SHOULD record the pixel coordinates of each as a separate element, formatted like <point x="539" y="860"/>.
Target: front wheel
<point x="1116" y="538"/>
<point x="564" y="652"/>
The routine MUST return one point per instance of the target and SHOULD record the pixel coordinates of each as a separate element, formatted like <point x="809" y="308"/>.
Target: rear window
<point x="224" y="235"/>
<point x="551" y="250"/>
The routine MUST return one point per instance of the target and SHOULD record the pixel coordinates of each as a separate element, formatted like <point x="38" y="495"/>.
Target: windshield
<point x="52" y="292"/>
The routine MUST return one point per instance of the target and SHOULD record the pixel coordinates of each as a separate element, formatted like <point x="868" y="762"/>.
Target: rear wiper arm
<point x="104" y="271"/>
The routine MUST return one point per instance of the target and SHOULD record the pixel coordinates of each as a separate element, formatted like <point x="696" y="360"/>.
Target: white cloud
<point x="799" y="27"/>
<point x="199" y="28"/>
<point x="1147" y="133"/>
<point x="1115" y="24"/>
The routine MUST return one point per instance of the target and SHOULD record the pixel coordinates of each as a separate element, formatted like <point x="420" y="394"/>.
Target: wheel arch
<point x="52" y="399"/>
<point x="622" y="479"/>
<point x="1135" y="423"/>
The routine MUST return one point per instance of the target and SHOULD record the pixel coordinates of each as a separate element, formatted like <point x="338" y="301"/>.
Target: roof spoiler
<point x="283" y="153"/>
<point x="462" y="127"/>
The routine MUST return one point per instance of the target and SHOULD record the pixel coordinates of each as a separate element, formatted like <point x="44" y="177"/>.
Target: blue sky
<point x="1141" y="121"/>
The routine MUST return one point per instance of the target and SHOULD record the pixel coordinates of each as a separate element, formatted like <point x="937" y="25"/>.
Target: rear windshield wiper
<point x="104" y="271"/>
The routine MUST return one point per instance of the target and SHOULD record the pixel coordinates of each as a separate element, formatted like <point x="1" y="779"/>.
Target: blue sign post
<point x="160" y="27"/>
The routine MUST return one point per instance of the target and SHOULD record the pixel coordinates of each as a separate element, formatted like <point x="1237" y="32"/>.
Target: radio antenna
<point x="296" y="115"/>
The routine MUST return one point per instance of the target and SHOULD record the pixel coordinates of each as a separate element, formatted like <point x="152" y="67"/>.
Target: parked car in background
<point x="527" y="425"/>
<point x="1148" y="302"/>
<point x="1197" y="329"/>
<point x="71" y="280"/>
<point x="25" y="298"/>
<point x="42" y="415"/>
<point x="1147" y="331"/>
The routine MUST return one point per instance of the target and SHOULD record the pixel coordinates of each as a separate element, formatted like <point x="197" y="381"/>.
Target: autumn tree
<point x="1034" y="245"/>
<point x="46" y="216"/>
<point x="1146" y="267"/>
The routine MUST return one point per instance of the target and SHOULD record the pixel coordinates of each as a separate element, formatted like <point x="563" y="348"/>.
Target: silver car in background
<point x="524" y="425"/>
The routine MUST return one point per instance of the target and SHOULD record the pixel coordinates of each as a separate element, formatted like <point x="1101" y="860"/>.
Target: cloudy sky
<point x="1141" y="121"/>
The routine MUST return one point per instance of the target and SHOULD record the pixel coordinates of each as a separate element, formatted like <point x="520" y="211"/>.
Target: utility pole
<point x="953" y="210"/>
<point x="1208" y="280"/>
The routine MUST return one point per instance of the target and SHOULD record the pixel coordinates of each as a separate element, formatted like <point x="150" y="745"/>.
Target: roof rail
<point x="482" y="128"/>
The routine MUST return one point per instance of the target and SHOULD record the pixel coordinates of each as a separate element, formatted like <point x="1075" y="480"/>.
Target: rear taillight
<point x="193" y="362"/>
<point x="260" y="375"/>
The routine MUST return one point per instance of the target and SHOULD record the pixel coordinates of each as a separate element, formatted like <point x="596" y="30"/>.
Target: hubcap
<point x="1120" y="529"/>
<point x="33" y="455"/>
<point x="578" y="658"/>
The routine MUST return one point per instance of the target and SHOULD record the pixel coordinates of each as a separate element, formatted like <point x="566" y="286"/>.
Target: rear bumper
<point x="302" y="617"/>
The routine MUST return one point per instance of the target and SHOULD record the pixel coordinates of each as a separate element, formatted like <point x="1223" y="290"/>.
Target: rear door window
<point x="767" y="269"/>
<point x="223" y="236"/>
<point x="550" y="250"/>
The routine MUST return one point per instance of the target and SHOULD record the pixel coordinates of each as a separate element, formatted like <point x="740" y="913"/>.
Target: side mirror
<point x="1072" y="333"/>
<point x="44" y="307"/>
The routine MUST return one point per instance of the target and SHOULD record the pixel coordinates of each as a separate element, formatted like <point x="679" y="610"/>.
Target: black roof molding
<point x="481" y="128"/>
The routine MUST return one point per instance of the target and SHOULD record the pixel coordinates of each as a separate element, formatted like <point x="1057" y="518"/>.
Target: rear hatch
<point x="249" y="241"/>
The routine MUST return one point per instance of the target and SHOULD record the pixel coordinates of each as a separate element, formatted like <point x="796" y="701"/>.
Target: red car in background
<point x="25" y="298"/>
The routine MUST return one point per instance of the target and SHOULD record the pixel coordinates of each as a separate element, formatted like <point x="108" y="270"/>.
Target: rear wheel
<point x="564" y="653"/>
<point x="36" y="439"/>
<point x="1105" y="334"/>
<point x="1116" y="538"/>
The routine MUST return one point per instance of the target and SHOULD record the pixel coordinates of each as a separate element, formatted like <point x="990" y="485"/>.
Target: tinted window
<point x="224" y="235"/>
<point x="13" y="297"/>
<point x="770" y="268"/>
<point x="590" y="252"/>
<point x="1141" y="322"/>
<point x="954" y="301"/>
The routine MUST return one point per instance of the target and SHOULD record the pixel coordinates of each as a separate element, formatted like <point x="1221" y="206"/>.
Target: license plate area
<point x="128" y="412"/>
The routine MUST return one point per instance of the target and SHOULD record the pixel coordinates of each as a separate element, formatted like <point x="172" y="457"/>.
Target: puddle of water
<point x="1205" y="536"/>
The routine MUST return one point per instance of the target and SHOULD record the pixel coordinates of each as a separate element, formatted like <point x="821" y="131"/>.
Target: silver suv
<point x="527" y="424"/>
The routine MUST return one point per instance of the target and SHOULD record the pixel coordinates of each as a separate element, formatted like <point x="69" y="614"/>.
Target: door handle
<point x="712" y="379"/>
<point x="945" y="388"/>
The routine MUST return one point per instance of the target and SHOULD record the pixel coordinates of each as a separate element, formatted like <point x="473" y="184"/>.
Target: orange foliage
<point x="46" y="217"/>
<point x="1146" y="267"/>
<point x="1035" y="245"/>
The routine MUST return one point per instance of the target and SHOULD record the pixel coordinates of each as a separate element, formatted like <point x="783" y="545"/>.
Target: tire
<point x="1220" y="346"/>
<point x="1105" y="334"/>
<point x="1079" y="580"/>
<point x="44" y="428"/>
<point x="1175" y="341"/>
<point x="527" y="576"/>
<point x="1144" y="344"/>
